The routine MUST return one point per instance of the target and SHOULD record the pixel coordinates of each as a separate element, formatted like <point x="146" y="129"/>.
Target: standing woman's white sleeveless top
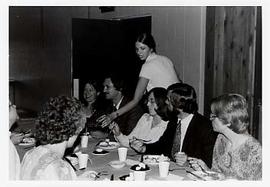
<point x="159" y="70"/>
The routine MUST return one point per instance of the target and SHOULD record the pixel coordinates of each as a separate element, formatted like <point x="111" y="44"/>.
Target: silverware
<point x="141" y="160"/>
<point x="197" y="176"/>
<point x="134" y="138"/>
<point x="101" y="173"/>
<point x="112" y="177"/>
<point x="177" y="169"/>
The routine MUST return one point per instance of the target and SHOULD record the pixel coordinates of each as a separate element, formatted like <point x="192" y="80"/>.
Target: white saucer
<point x="117" y="164"/>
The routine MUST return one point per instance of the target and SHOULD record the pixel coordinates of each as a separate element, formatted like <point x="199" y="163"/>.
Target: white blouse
<point x="144" y="130"/>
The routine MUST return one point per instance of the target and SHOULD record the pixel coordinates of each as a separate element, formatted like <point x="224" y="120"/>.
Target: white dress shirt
<point x="184" y="126"/>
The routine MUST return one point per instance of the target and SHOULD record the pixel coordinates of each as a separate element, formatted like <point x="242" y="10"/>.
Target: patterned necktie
<point x="176" y="141"/>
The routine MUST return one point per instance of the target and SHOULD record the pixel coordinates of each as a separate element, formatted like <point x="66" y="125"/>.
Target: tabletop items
<point x="154" y="159"/>
<point x="84" y="140"/>
<point x="108" y="145"/>
<point x="122" y="153"/>
<point x="28" y="142"/>
<point x="109" y="161"/>
<point x="109" y="156"/>
<point x="99" y="151"/>
<point x="117" y="164"/>
<point x="83" y="160"/>
<point x="163" y="168"/>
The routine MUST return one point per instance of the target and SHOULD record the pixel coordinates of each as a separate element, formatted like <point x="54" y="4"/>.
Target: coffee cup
<point x="83" y="159"/>
<point x="139" y="175"/>
<point x="122" y="153"/>
<point x="84" y="141"/>
<point x="163" y="168"/>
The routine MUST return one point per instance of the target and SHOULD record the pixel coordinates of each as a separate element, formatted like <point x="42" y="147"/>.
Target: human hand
<point x="115" y="128"/>
<point x="87" y="175"/>
<point x="197" y="164"/>
<point x="16" y="138"/>
<point x="180" y="158"/>
<point x="105" y="120"/>
<point x="137" y="145"/>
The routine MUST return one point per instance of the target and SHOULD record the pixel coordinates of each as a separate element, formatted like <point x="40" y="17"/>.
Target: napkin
<point x="131" y="162"/>
<point x="74" y="161"/>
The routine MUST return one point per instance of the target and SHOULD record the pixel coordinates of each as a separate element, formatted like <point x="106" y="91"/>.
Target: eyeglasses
<point x="213" y="116"/>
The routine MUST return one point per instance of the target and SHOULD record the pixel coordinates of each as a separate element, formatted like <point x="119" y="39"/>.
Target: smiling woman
<point x="90" y="93"/>
<point x="151" y="125"/>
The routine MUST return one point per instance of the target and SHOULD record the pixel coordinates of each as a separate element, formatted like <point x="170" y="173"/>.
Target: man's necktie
<point x="176" y="141"/>
<point x="114" y="108"/>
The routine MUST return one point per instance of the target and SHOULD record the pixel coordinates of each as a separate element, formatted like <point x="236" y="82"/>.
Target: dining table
<point x="101" y="163"/>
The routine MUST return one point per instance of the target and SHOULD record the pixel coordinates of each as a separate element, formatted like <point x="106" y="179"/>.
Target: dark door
<point x="103" y="46"/>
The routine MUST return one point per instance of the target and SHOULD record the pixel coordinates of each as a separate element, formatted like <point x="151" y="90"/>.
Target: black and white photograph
<point x="108" y="92"/>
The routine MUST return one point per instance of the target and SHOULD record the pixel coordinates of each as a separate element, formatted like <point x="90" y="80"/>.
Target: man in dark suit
<point x="113" y="91"/>
<point x="188" y="131"/>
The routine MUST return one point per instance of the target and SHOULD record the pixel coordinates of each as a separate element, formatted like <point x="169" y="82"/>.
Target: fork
<point x="144" y="141"/>
<point x="176" y="169"/>
<point x="101" y="173"/>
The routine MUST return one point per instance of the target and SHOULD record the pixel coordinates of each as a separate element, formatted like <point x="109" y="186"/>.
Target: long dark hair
<point x="160" y="95"/>
<point x="147" y="39"/>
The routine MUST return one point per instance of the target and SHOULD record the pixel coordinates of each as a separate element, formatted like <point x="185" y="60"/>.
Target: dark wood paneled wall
<point x="40" y="52"/>
<point x="230" y="55"/>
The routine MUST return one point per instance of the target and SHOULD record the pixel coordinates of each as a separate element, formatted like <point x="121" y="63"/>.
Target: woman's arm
<point x="140" y="89"/>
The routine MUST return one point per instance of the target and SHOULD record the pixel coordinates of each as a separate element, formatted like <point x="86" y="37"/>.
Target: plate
<point x="117" y="164"/>
<point x="28" y="142"/>
<point x="108" y="145"/>
<point x="100" y="153"/>
<point x="153" y="159"/>
<point x="133" y="168"/>
<point x="210" y="175"/>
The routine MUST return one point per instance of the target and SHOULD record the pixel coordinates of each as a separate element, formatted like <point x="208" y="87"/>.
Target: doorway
<point x="101" y="47"/>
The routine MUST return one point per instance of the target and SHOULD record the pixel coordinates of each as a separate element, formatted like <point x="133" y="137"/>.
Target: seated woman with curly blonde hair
<point x="236" y="153"/>
<point x="58" y="125"/>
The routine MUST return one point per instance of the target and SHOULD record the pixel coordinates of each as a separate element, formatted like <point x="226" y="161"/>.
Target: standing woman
<point x="236" y="153"/>
<point x="157" y="71"/>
